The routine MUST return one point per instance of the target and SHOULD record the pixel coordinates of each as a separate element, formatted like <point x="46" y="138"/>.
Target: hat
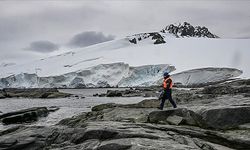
<point x="165" y="74"/>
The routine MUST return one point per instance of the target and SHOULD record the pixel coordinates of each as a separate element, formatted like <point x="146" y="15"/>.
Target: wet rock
<point x="26" y="115"/>
<point x="225" y="118"/>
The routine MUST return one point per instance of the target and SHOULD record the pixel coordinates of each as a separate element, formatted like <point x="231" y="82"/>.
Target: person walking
<point x="167" y="91"/>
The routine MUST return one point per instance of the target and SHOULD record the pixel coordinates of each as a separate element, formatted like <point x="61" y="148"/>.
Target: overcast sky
<point x="35" y="29"/>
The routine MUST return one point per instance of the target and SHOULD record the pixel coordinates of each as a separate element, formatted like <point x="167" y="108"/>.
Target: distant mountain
<point x="173" y="30"/>
<point x="187" y="30"/>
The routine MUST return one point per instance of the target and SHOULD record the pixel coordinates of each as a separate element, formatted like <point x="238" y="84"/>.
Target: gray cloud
<point x="89" y="38"/>
<point x="42" y="46"/>
<point x="22" y="22"/>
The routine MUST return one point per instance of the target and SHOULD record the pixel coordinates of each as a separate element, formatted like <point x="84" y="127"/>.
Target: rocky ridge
<point x="179" y="30"/>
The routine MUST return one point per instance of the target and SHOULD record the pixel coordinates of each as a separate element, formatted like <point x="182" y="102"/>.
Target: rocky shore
<point x="32" y="93"/>
<point x="210" y="118"/>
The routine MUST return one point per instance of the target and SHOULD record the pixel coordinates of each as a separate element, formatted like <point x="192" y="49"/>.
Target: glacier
<point x="103" y="75"/>
<point x="119" y="75"/>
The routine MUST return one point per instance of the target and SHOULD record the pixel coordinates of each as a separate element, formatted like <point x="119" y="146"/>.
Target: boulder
<point x="104" y="106"/>
<point x="115" y="93"/>
<point x="225" y="118"/>
<point x="177" y="116"/>
<point x="26" y="115"/>
<point x="174" y="120"/>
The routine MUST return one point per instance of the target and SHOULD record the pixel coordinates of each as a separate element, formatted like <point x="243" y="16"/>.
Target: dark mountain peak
<point x="185" y="29"/>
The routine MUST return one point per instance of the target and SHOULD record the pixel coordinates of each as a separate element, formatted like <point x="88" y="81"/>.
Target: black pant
<point x="167" y="95"/>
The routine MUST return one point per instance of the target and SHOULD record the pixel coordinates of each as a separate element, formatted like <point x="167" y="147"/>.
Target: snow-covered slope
<point x="182" y="53"/>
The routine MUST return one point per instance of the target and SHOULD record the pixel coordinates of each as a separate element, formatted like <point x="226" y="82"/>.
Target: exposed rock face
<point x="177" y="30"/>
<point x="156" y="37"/>
<point x="187" y="30"/>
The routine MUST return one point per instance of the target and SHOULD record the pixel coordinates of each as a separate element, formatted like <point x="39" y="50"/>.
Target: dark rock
<point x="115" y="145"/>
<point x="96" y="94"/>
<point x="187" y="30"/>
<point x="115" y="93"/>
<point x="225" y="118"/>
<point x="26" y="115"/>
<point x="101" y="134"/>
<point x="159" y="41"/>
<point x="133" y="41"/>
<point x="2" y="94"/>
<point x="53" y="108"/>
<point x="239" y="82"/>
<point x="5" y="143"/>
<point x="226" y="89"/>
<point x="104" y="106"/>
<point x="99" y="95"/>
<point x="35" y="93"/>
